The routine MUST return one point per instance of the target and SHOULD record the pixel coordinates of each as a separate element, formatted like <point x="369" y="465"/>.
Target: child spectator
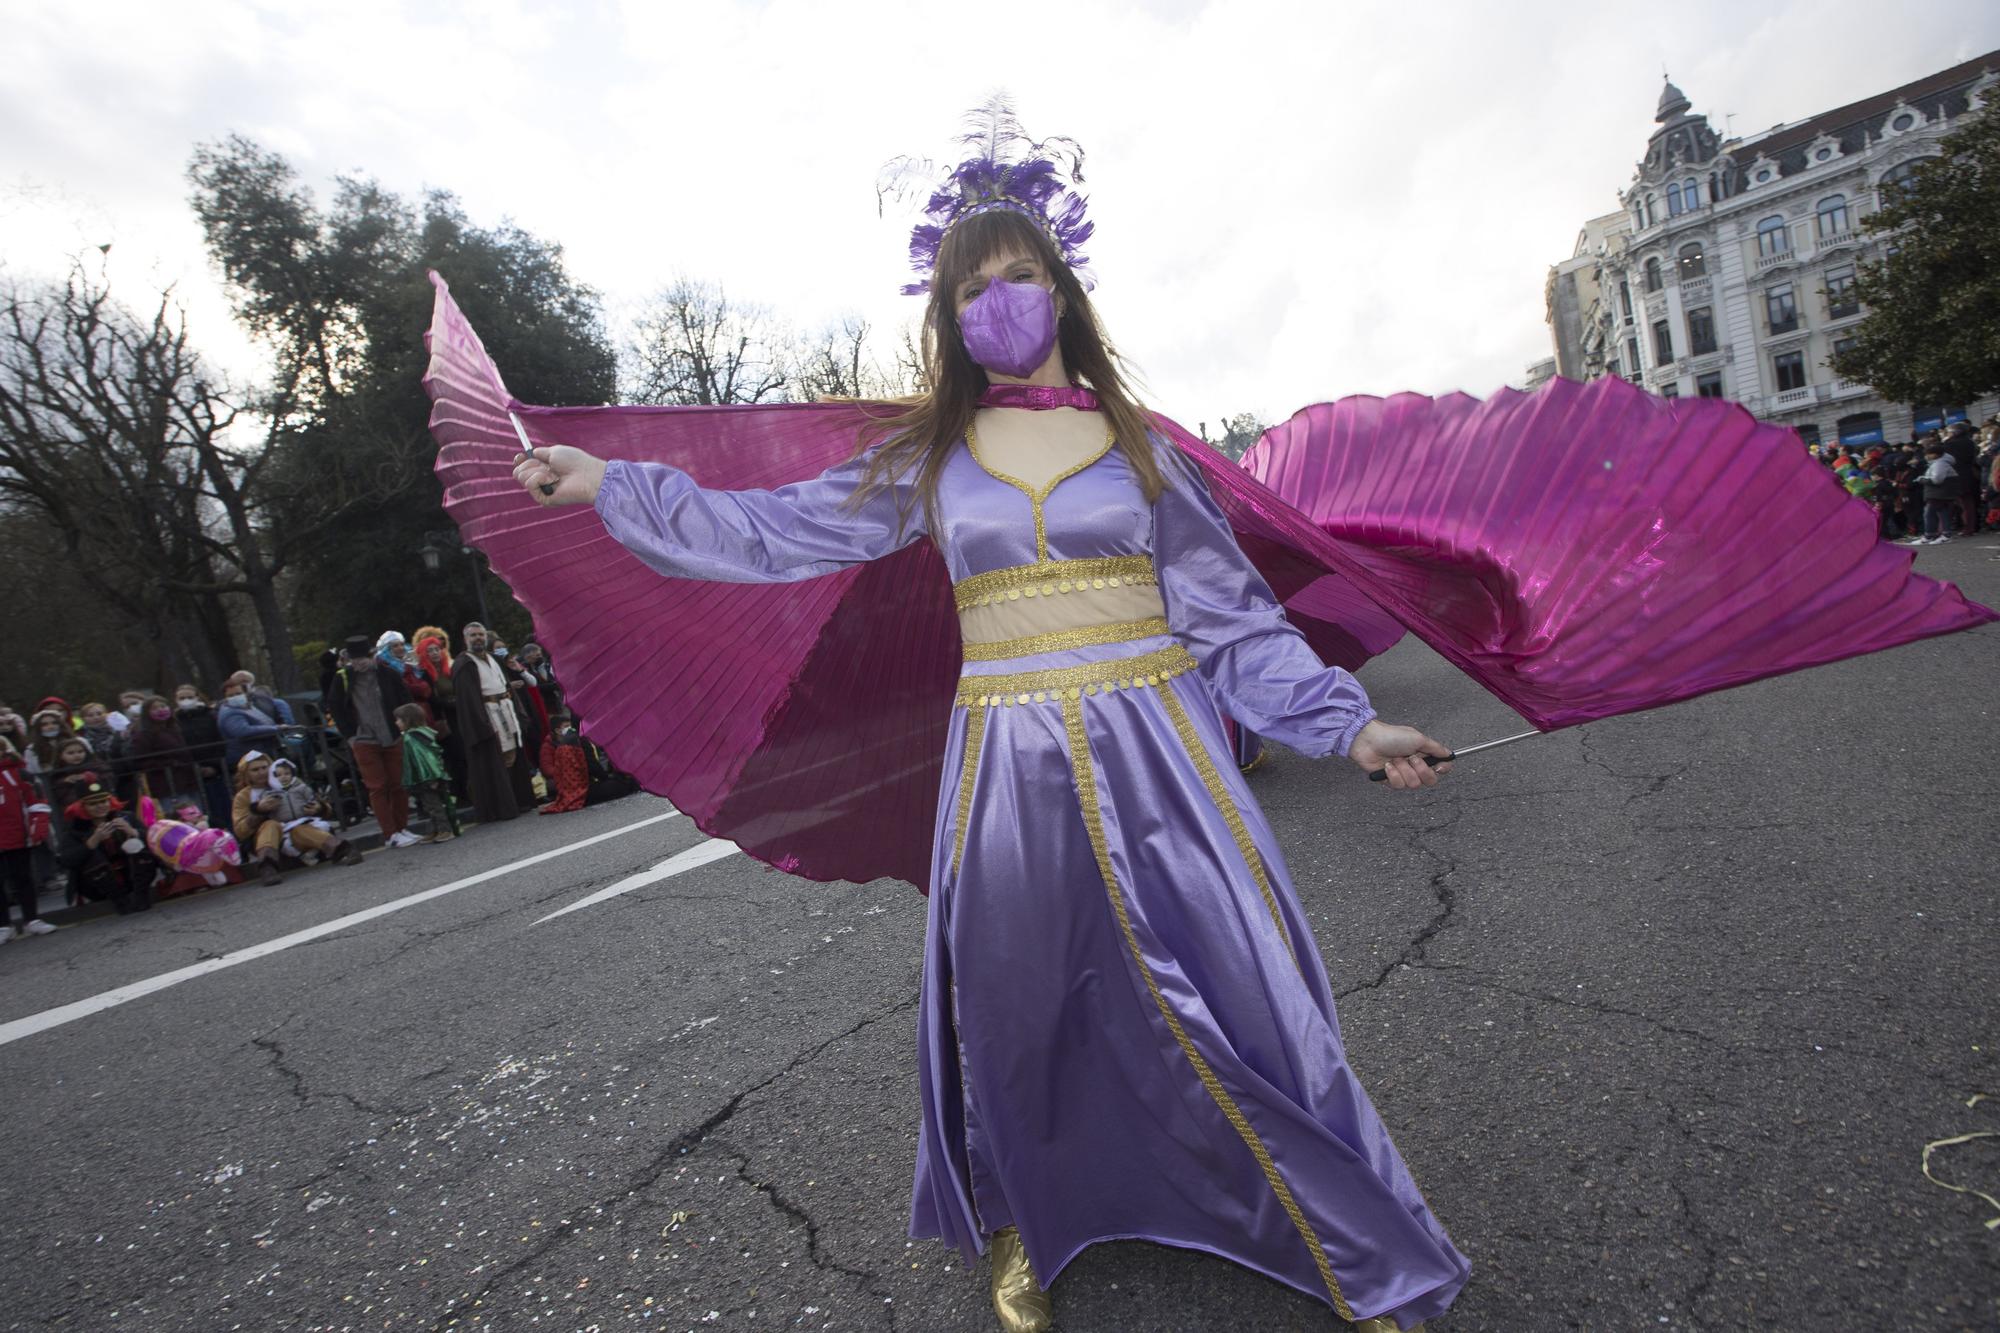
<point x="255" y="818"/>
<point x="24" y="826"/>
<point x="565" y="765"/>
<point x="299" y="806"/>
<point x="424" y="774"/>
<point x="105" y="854"/>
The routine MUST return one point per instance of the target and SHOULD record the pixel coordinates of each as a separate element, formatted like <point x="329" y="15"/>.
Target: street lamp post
<point x="437" y="545"/>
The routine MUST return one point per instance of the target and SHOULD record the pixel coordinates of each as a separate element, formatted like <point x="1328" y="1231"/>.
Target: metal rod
<point x="527" y="448"/>
<point x="1382" y="775"/>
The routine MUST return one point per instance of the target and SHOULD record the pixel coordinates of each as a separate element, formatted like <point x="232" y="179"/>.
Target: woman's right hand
<point x="575" y="475"/>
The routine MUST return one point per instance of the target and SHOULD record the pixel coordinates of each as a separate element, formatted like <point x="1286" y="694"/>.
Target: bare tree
<point x="839" y="362"/>
<point x="691" y="344"/>
<point x="157" y="479"/>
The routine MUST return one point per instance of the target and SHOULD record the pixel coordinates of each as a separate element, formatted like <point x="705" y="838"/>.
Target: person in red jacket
<point x="24" y="826"/>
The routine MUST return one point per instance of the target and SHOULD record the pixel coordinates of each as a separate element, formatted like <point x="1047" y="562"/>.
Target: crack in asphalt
<point x="303" y="1094"/>
<point x="1473" y="977"/>
<point x="1657" y="781"/>
<point x="648" y="1175"/>
<point x="1413" y="953"/>
<point x="870" y="1283"/>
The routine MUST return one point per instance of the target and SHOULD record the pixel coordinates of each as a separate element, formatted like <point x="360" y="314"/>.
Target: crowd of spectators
<point x="90" y="792"/>
<point x="1927" y="491"/>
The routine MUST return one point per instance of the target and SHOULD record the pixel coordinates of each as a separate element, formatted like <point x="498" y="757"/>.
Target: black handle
<point x="547" y="487"/>
<point x="1382" y="774"/>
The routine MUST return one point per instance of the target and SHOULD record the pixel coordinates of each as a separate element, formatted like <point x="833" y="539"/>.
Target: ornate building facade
<point x="1728" y="272"/>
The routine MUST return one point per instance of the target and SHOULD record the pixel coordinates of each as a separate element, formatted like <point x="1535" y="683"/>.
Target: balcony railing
<point x="1694" y="289"/>
<point x="1768" y="262"/>
<point x="1839" y="240"/>
<point x="1777" y="327"/>
<point x="1792" y="397"/>
<point x="1844" y="310"/>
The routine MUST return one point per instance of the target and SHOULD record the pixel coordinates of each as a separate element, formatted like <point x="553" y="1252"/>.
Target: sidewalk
<point x="367" y="835"/>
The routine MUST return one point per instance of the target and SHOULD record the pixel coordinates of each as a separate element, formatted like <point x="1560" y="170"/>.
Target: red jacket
<point x="24" y="815"/>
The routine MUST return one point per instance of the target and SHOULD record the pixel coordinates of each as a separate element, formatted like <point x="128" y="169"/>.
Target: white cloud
<point x="1294" y="200"/>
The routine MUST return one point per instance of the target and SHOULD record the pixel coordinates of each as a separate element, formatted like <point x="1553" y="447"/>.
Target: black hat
<point x="359" y="645"/>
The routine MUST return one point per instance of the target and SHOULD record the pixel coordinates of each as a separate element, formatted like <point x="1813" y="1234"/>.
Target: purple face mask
<point x="1010" y="328"/>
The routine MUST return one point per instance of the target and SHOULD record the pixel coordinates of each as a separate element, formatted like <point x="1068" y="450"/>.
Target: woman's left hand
<point x="1389" y="749"/>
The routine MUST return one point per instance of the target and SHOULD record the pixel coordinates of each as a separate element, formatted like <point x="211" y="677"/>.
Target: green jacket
<point x="422" y="760"/>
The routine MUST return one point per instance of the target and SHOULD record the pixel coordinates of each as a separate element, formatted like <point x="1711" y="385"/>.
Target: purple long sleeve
<point x="1219" y="606"/>
<point x="795" y="532"/>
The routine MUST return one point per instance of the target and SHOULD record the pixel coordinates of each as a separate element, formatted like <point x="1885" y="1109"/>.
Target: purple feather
<point x="1035" y="178"/>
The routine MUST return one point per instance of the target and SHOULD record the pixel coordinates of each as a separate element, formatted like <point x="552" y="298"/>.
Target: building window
<point x="1663" y="342"/>
<point x="1832" y="216"/>
<point x="1772" y="238"/>
<point x="1840" y="299"/>
<point x="1625" y="302"/>
<point x="1701" y="331"/>
<point x="1652" y="209"/>
<point x="1842" y="346"/>
<point x="1673" y="201"/>
<point x="1692" y="264"/>
<point x="1709" y="385"/>
<point x="1902" y="178"/>
<point x="1690" y="195"/>
<point x="1653" y="283"/>
<point x="1903" y="122"/>
<point x="1780" y="309"/>
<point x="1791" y="370"/>
<point x="1670" y="390"/>
<point x="1861" y="428"/>
<point x="1632" y="359"/>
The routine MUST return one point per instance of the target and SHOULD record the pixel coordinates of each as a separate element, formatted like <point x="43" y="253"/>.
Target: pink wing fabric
<point x="803" y="721"/>
<point x="1589" y="550"/>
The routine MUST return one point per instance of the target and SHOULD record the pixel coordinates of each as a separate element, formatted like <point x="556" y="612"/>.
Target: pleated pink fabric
<point x="805" y="721"/>
<point x="1589" y="549"/>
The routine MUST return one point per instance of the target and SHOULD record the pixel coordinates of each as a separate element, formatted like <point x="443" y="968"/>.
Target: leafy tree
<point x="340" y="295"/>
<point x="1932" y="334"/>
<point x="1239" y="433"/>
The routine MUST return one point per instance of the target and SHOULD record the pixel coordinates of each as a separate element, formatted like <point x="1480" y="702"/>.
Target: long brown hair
<point x="921" y="431"/>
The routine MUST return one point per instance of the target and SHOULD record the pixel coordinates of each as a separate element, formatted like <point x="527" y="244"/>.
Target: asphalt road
<point x="1661" y="1011"/>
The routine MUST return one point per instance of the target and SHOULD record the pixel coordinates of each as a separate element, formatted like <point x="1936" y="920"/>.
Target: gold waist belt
<point x="1054" y="684"/>
<point x="1058" y="605"/>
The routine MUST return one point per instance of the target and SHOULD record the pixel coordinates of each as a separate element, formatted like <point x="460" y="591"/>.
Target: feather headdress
<point x="1007" y="169"/>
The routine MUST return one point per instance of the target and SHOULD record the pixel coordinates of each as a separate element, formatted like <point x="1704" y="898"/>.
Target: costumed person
<point x="1126" y="1027"/>
<point x="424" y="775"/>
<point x="488" y="728"/>
<point x="24" y="827"/>
<point x="363" y="697"/>
<point x="197" y="856"/>
<point x="393" y="651"/>
<point x="105" y="854"/>
<point x="565" y="765"/>
<point x="260" y="832"/>
<point x="298" y="808"/>
<point x="433" y="650"/>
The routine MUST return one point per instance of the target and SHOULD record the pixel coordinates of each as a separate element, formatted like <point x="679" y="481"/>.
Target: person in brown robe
<point x="491" y="750"/>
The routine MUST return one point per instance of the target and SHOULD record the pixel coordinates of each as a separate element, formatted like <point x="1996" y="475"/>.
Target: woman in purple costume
<point x="1126" y="1029"/>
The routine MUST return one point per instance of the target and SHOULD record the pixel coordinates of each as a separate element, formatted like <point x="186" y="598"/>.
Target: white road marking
<point x="69" y="1013"/>
<point x="698" y="855"/>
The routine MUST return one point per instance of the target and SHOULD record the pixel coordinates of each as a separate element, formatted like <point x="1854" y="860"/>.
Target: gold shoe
<point x="1381" y="1323"/>
<point x="1018" y="1298"/>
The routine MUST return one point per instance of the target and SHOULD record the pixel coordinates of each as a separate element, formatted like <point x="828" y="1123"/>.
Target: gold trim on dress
<point x="1210" y="778"/>
<point x="975" y="733"/>
<point x="1145" y="671"/>
<point x="1093" y="819"/>
<point x="1046" y="578"/>
<point x="1037" y="495"/>
<point x="1058" y="641"/>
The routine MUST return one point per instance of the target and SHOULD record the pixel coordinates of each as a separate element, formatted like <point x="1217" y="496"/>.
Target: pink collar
<point x="1038" y="397"/>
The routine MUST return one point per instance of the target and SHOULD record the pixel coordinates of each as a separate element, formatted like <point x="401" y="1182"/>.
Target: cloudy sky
<point x="1295" y="200"/>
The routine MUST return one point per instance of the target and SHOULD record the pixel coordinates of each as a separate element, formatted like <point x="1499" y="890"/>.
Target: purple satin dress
<point x="1126" y="1030"/>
